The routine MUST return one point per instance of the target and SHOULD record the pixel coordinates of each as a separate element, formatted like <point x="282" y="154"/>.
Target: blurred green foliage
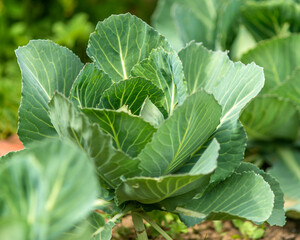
<point x="67" y="22"/>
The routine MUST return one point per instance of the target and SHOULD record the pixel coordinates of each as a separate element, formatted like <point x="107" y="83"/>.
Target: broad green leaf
<point x="171" y="189"/>
<point x="71" y="124"/>
<point x="270" y="54"/>
<point x="46" y="68"/>
<point x="129" y="132"/>
<point x="287" y="171"/>
<point x="38" y="186"/>
<point x="122" y="41"/>
<point x="196" y="20"/>
<point x="205" y="164"/>
<point x="232" y="84"/>
<point x="132" y="93"/>
<point x="209" y="21"/>
<point x="232" y="139"/>
<point x="163" y="21"/>
<point x="180" y="135"/>
<point x="208" y="160"/>
<point x="267" y="19"/>
<point x="239" y="196"/>
<point x="153" y="190"/>
<point x="150" y="113"/>
<point x="290" y="89"/>
<point x="278" y="215"/>
<point x="165" y="71"/>
<point x="89" y="86"/>
<point x="268" y="118"/>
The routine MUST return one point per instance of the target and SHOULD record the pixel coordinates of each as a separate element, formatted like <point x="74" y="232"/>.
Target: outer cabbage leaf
<point x="122" y="41"/>
<point x="71" y="124"/>
<point x="267" y="19"/>
<point x="290" y="89"/>
<point x="287" y="171"/>
<point x="171" y="187"/>
<point x="278" y="215"/>
<point x="268" y="118"/>
<point x="208" y="21"/>
<point x="238" y="196"/>
<point x="46" y="68"/>
<point x="232" y="84"/>
<point x="180" y="135"/>
<point x="38" y="187"/>
<point x="270" y="54"/>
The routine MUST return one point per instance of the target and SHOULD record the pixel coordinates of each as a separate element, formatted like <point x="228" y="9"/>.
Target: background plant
<point x="161" y="129"/>
<point x="264" y="32"/>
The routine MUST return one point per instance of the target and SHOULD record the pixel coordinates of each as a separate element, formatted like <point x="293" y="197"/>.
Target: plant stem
<point x="139" y="226"/>
<point x="155" y="226"/>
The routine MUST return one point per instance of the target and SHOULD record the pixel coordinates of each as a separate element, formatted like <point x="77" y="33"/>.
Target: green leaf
<point x="171" y="189"/>
<point x="278" y="215"/>
<point x="289" y="89"/>
<point x="180" y="135"/>
<point x="268" y="118"/>
<point x="239" y="196"/>
<point x="101" y="230"/>
<point x="270" y="54"/>
<point x="150" y="113"/>
<point x="196" y="20"/>
<point x="153" y="190"/>
<point x="89" y="86"/>
<point x="165" y="71"/>
<point x="267" y="19"/>
<point x="232" y="84"/>
<point x="163" y="21"/>
<point x="205" y="164"/>
<point x="46" y="68"/>
<point x="132" y="93"/>
<point x="232" y="140"/>
<point x="38" y="187"/>
<point x="287" y="171"/>
<point x="129" y="132"/>
<point x="71" y="124"/>
<point x="122" y="41"/>
<point x="209" y="21"/>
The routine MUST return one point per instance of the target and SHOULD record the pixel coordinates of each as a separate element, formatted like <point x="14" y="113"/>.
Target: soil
<point x="10" y="144"/>
<point x="206" y="230"/>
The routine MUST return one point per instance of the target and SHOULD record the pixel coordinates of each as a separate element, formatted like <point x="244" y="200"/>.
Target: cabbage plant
<point x="272" y="119"/>
<point x="235" y="25"/>
<point x="160" y="128"/>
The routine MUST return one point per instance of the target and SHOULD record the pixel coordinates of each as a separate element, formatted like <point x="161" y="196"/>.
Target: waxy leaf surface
<point x="71" y="124"/>
<point x="46" y="68"/>
<point x="122" y="41"/>
<point x="180" y="135"/>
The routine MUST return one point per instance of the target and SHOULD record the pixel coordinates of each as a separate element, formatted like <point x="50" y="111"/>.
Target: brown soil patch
<point x="10" y="144"/>
<point x="206" y="231"/>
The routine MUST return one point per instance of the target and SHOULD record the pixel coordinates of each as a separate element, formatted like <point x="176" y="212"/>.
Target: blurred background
<point x="66" y="22"/>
